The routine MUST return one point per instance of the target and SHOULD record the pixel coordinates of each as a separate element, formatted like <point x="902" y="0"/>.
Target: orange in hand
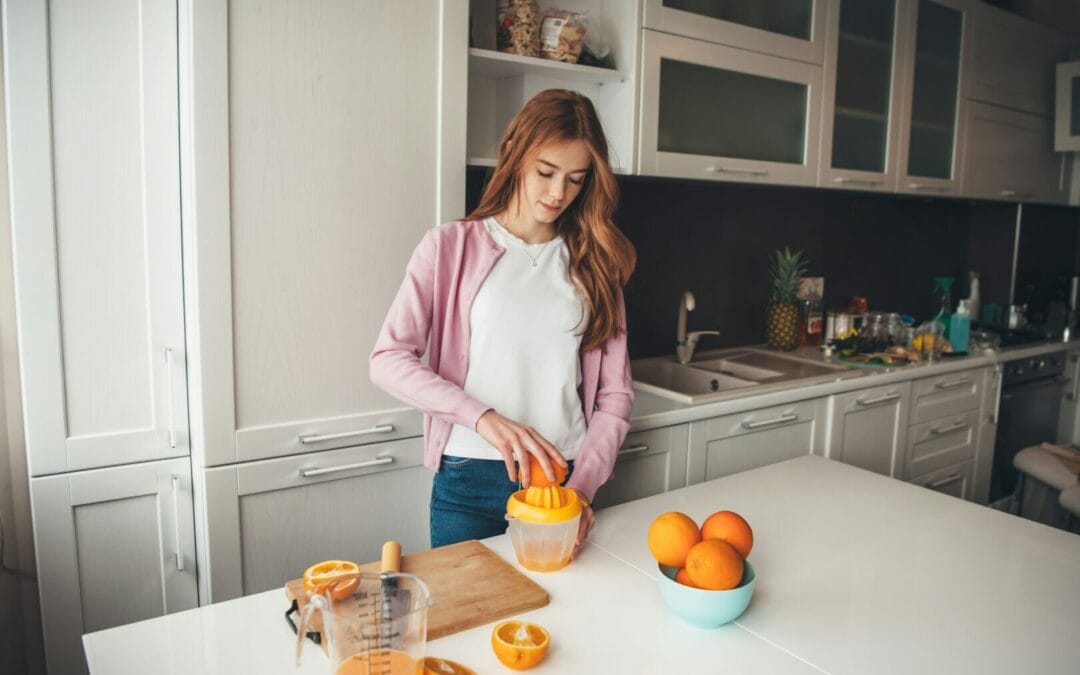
<point x="730" y="527"/>
<point x="671" y="536"/>
<point x="519" y="645"/>
<point x="537" y="477"/>
<point x="715" y="565"/>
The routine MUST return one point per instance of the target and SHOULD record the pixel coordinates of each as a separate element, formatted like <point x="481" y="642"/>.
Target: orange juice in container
<point x="543" y="526"/>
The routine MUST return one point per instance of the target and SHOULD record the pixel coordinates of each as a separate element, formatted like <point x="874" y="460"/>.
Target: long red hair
<point x="601" y="257"/>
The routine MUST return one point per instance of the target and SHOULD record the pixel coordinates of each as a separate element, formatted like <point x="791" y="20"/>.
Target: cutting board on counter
<point x="470" y="586"/>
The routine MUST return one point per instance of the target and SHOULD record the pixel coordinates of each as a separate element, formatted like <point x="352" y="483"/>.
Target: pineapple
<point x="781" y="326"/>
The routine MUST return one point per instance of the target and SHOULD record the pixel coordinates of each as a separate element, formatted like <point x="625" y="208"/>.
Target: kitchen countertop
<point x="857" y="573"/>
<point x="651" y="411"/>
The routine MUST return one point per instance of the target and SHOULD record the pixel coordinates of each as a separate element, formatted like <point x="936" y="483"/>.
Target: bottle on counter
<point x="960" y="327"/>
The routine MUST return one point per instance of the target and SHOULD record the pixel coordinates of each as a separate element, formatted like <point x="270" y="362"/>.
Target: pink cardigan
<point x="431" y="313"/>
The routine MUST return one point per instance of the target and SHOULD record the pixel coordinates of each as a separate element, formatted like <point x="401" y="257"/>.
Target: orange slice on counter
<point x="433" y="665"/>
<point x="322" y="575"/>
<point x="519" y="645"/>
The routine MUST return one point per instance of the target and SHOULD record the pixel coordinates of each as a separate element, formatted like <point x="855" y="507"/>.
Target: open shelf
<point x="487" y="63"/>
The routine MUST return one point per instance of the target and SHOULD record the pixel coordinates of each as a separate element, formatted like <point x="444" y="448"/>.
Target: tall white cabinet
<point x="320" y="151"/>
<point x="95" y="212"/>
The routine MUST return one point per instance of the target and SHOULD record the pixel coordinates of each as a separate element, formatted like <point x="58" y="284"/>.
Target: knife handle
<point x="391" y="556"/>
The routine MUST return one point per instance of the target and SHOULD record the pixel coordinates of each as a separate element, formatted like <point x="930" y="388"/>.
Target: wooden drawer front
<point x="331" y="465"/>
<point x="954" y="480"/>
<point x="756" y="421"/>
<point x="935" y="397"/>
<point x="294" y="438"/>
<point x="649" y="463"/>
<point x="941" y="442"/>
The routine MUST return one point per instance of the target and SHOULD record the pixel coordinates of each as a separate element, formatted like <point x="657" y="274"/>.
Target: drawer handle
<point x="378" y="461"/>
<point x="845" y="180"/>
<point x="891" y="396"/>
<point x="952" y="428"/>
<point x="176" y="521"/>
<point x="929" y="188"/>
<point x="634" y="449"/>
<point x="951" y="478"/>
<point x="1014" y="193"/>
<point x="783" y="419"/>
<point x="319" y="438"/>
<point x="740" y="172"/>
<point x="952" y="385"/>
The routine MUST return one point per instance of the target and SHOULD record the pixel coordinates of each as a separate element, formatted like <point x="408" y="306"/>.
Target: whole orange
<point x="715" y="565"/>
<point x="683" y="578"/>
<point x="671" y="536"/>
<point x="537" y="477"/>
<point x="730" y="527"/>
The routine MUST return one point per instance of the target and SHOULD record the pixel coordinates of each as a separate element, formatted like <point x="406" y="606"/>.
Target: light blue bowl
<point x="702" y="608"/>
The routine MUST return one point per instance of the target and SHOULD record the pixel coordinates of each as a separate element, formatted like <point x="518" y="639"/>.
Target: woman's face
<point x="552" y="179"/>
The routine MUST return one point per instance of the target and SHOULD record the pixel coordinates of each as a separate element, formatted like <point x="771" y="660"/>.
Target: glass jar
<point x="875" y="326"/>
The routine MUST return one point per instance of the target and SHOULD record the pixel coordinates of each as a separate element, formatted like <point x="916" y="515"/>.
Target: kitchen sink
<point x="730" y="372"/>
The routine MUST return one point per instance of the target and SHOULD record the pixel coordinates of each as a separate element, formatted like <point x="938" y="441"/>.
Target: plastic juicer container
<point x="543" y="526"/>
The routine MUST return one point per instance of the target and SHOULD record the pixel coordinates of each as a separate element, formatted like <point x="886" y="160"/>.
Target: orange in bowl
<point x="730" y="527"/>
<point x="714" y="565"/>
<point x="519" y="645"/>
<point x="324" y="575"/>
<point x="671" y="536"/>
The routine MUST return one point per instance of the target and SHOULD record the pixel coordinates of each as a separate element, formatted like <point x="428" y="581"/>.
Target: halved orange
<point x="433" y="665"/>
<point x="321" y="576"/>
<point x="519" y="645"/>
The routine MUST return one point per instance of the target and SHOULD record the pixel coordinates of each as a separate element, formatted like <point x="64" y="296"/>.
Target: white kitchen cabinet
<point x="792" y="29"/>
<point x="1010" y="156"/>
<point x="1068" y="430"/>
<point x="945" y="423"/>
<point x="498" y="84"/>
<point x="988" y="421"/>
<point x="955" y="480"/>
<point x="710" y="111"/>
<point x="95" y="215"/>
<point x="113" y="546"/>
<point x="741" y="441"/>
<point x="648" y="463"/>
<point x="943" y="395"/>
<point x="1013" y="60"/>
<point x="313" y="173"/>
<point x="860" y="128"/>
<point x="869" y="428"/>
<point x="271" y="519"/>
<point x="931" y="132"/>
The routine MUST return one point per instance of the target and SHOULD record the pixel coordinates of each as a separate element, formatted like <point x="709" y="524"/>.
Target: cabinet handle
<point x="741" y="172"/>
<point x="845" y="180"/>
<point x="783" y="419"/>
<point x="319" y="438"/>
<point x="952" y="428"/>
<point x="952" y="385"/>
<point x="634" y="449"/>
<point x="1014" y="193"/>
<point x="951" y="478"/>
<point x="928" y="188"/>
<point x="308" y="473"/>
<point x="176" y="521"/>
<point x="169" y="387"/>
<point x="866" y="402"/>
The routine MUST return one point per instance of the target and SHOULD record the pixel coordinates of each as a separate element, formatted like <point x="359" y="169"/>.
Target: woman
<point x="520" y="310"/>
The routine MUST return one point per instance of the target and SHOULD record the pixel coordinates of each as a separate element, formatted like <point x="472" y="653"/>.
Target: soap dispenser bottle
<point x="960" y="326"/>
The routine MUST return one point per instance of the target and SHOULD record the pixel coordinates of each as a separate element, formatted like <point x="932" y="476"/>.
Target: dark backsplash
<point x="715" y="238"/>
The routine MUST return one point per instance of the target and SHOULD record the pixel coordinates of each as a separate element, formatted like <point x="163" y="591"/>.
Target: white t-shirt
<point x="525" y="335"/>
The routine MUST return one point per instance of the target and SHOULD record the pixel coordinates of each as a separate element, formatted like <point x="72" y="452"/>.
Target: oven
<point x="1031" y="391"/>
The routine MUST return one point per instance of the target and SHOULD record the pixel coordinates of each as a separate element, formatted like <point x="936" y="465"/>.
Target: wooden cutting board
<point x="470" y="586"/>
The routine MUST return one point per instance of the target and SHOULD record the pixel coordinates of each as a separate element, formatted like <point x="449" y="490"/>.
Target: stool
<point x="1040" y="501"/>
<point x="1070" y="501"/>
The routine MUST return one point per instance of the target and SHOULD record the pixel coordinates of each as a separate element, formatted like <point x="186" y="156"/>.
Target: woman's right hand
<point x="515" y="442"/>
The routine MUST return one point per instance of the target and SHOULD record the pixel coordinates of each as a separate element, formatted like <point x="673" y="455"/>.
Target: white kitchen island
<point x="857" y="573"/>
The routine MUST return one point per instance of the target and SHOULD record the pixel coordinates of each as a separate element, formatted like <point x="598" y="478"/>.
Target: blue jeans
<point x="468" y="499"/>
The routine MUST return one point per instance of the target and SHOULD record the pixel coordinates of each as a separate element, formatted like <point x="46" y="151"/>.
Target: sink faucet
<point x="684" y="343"/>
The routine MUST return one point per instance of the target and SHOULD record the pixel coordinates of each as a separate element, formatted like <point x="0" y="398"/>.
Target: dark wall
<point x="714" y="239"/>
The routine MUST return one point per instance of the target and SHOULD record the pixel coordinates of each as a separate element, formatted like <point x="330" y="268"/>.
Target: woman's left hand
<point x="585" y="525"/>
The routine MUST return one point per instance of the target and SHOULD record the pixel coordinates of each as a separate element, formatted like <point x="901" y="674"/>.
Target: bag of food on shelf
<point x="561" y="35"/>
<point x="517" y="28"/>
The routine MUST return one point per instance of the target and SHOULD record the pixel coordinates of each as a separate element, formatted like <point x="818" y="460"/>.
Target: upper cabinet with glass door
<point x="709" y="111"/>
<point x="792" y="29"/>
<point x="930" y="146"/>
<point x="860" y="130"/>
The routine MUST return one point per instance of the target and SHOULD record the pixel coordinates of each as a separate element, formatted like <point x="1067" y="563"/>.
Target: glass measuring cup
<point x="374" y="624"/>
